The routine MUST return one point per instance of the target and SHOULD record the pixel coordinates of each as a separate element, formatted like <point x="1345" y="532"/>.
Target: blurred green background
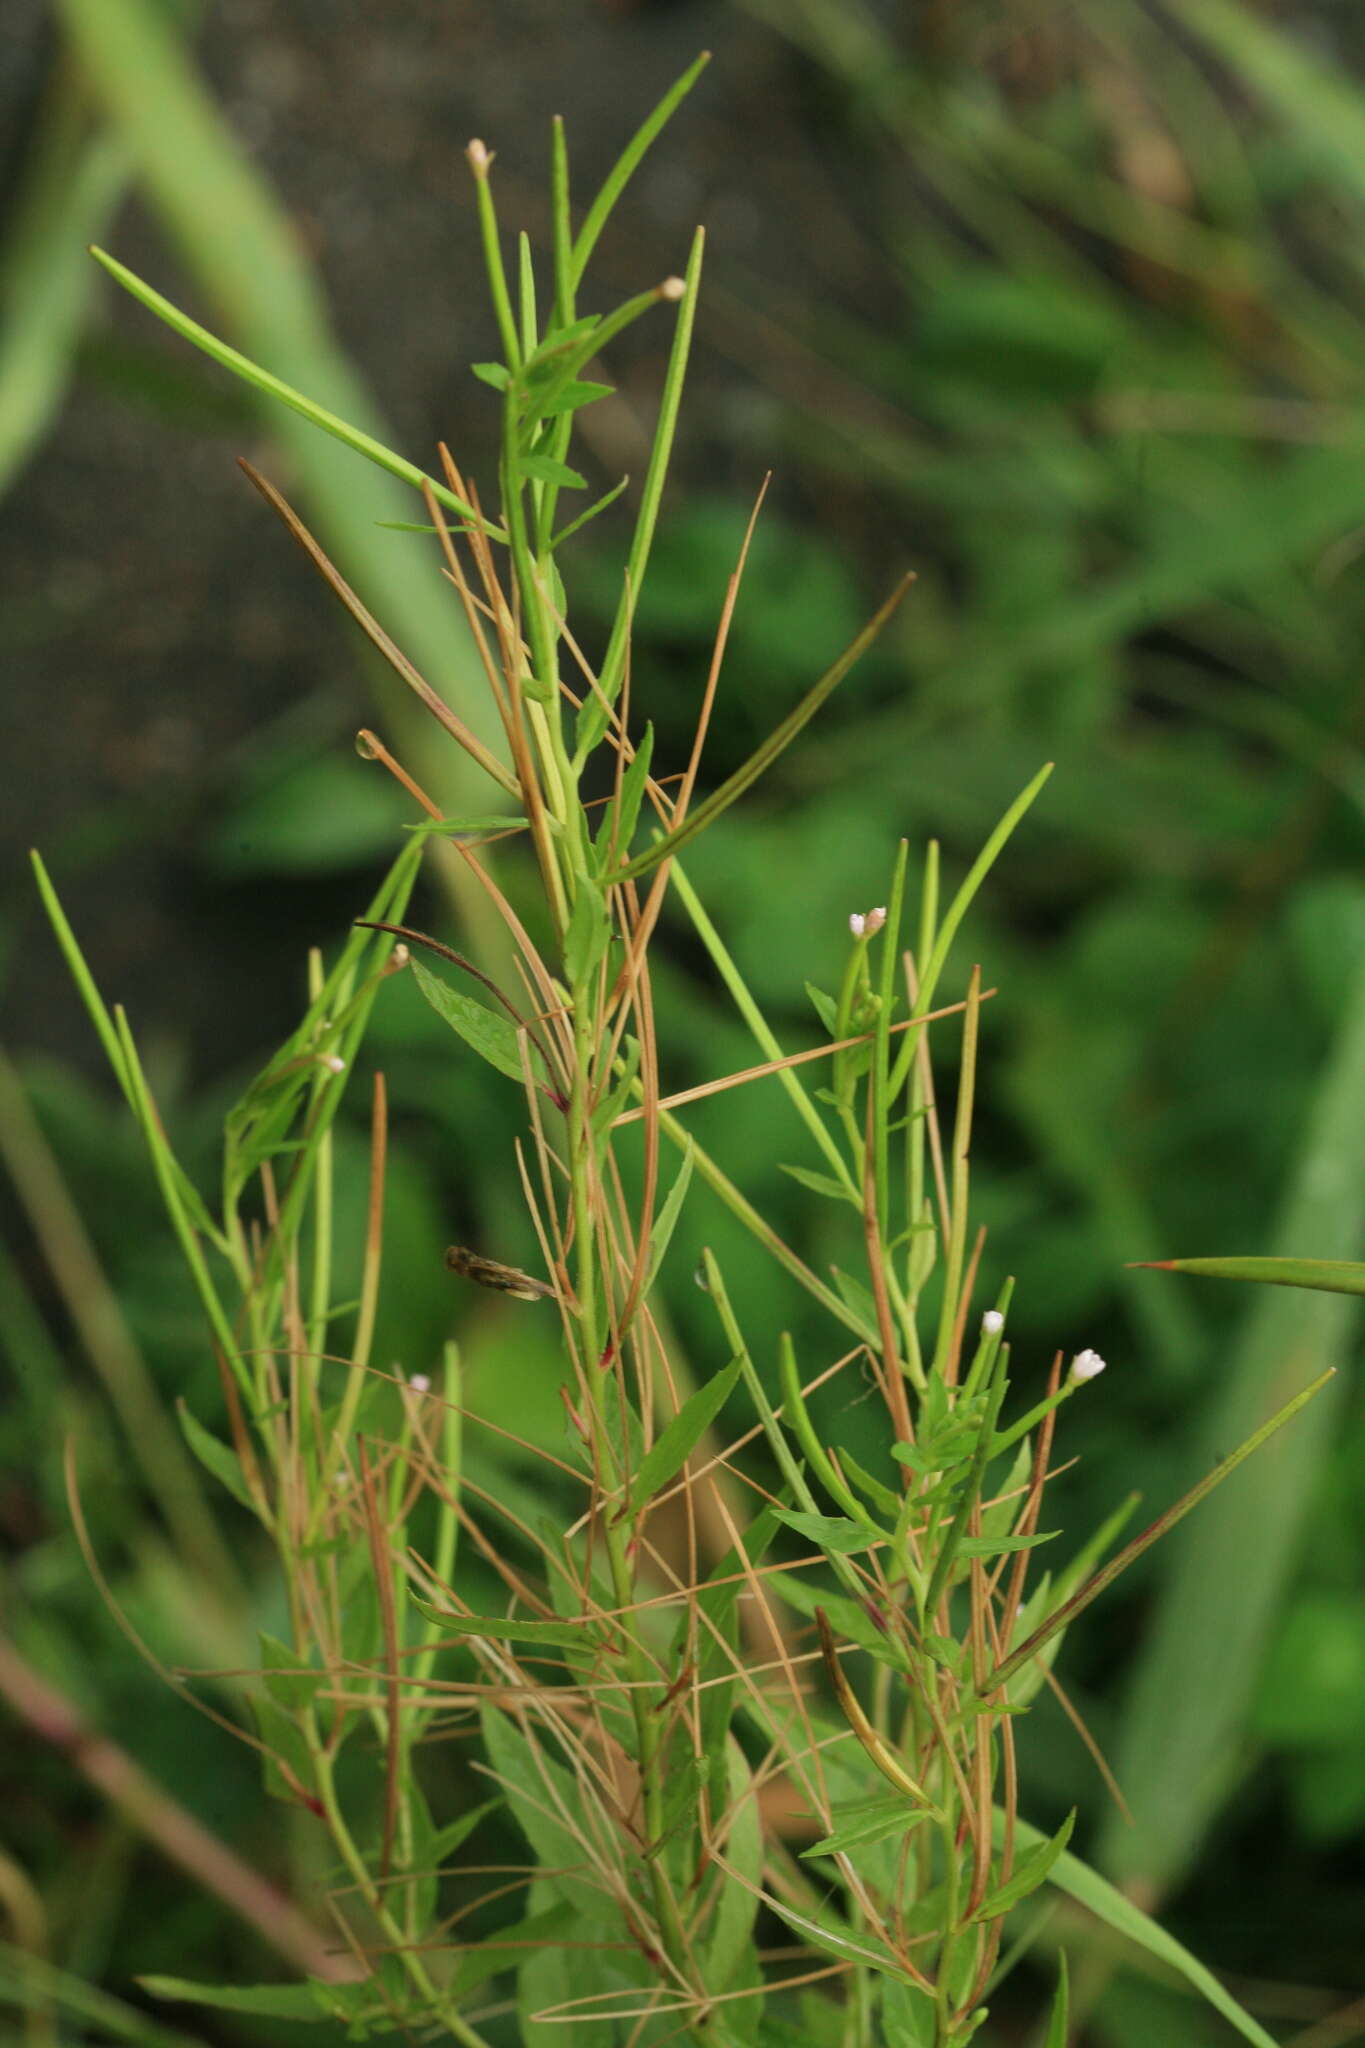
<point x="1063" y="308"/>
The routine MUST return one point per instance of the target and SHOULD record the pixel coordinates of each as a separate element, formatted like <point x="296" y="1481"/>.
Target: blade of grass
<point x="770" y="750"/>
<point x="1074" y="1877"/>
<point x="245" y="256"/>
<point x="1321" y="101"/>
<point x="62" y="197"/>
<point x="1193" y="1686"/>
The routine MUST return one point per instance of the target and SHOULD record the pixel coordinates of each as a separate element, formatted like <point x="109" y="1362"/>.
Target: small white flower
<point x="333" y="1063"/>
<point x="1087" y="1365"/>
<point x="992" y="1323"/>
<point x="856" y="923"/>
<point x="876" y="919"/>
<point x="419" y="1383"/>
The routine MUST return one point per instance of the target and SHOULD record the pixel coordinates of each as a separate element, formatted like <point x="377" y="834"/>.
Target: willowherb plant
<point x="761" y="1745"/>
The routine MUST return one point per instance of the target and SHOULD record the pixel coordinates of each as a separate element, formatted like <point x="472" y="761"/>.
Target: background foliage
<point x="1066" y="313"/>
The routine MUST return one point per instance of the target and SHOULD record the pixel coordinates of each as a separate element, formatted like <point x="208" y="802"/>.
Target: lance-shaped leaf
<point x="1033" y="1870"/>
<point x="679" y="1438"/>
<point x="492" y="1037"/>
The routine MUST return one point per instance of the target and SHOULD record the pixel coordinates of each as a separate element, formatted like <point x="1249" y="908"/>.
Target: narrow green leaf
<point x="825" y="1932"/>
<point x="510" y="1628"/>
<point x="492" y="1037"/>
<point x="549" y="357"/>
<point x="666" y="1221"/>
<point x="958" y="908"/>
<point x="81" y="975"/>
<point x="1106" y="1575"/>
<point x="598" y="505"/>
<point x="1033" y="1870"/>
<point x="770" y="750"/>
<point x="826" y="1009"/>
<point x="593" y="718"/>
<point x="581" y="392"/>
<point x="997" y="1546"/>
<point x="496" y="374"/>
<point x="618" y="827"/>
<point x="496" y="822"/>
<point x="882" y="1497"/>
<point x="268" y="2001"/>
<point x="275" y="387"/>
<point x="215" y="1457"/>
<point x="546" y="470"/>
<point x="822" y="1184"/>
<point x="1323" y="1276"/>
<point x="867" y="1821"/>
<point x="621" y="172"/>
<point x="832" y="1533"/>
<point x="850" y="1622"/>
<point x="677" y="1440"/>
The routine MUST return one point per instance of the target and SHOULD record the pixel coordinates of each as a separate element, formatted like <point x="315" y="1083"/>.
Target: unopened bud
<point x="480" y="156"/>
<point x="992" y="1323"/>
<point x="672" y="288"/>
<point x="419" y="1383"/>
<point x="864" y="923"/>
<point x="1087" y="1365"/>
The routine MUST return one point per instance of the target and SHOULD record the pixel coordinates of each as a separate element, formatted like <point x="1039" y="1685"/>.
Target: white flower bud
<point x="875" y="919"/>
<point x="992" y="1323"/>
<point x="419" y="1383"/>
<point x="1087" y="1365"/>
<point x="856" y="923"/>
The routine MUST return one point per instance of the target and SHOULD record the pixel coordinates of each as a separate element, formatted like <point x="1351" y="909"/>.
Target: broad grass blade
<point x="1070" y="1875"/>
<point x="1227" y="1571"/>
<point x="245" y="257"/>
